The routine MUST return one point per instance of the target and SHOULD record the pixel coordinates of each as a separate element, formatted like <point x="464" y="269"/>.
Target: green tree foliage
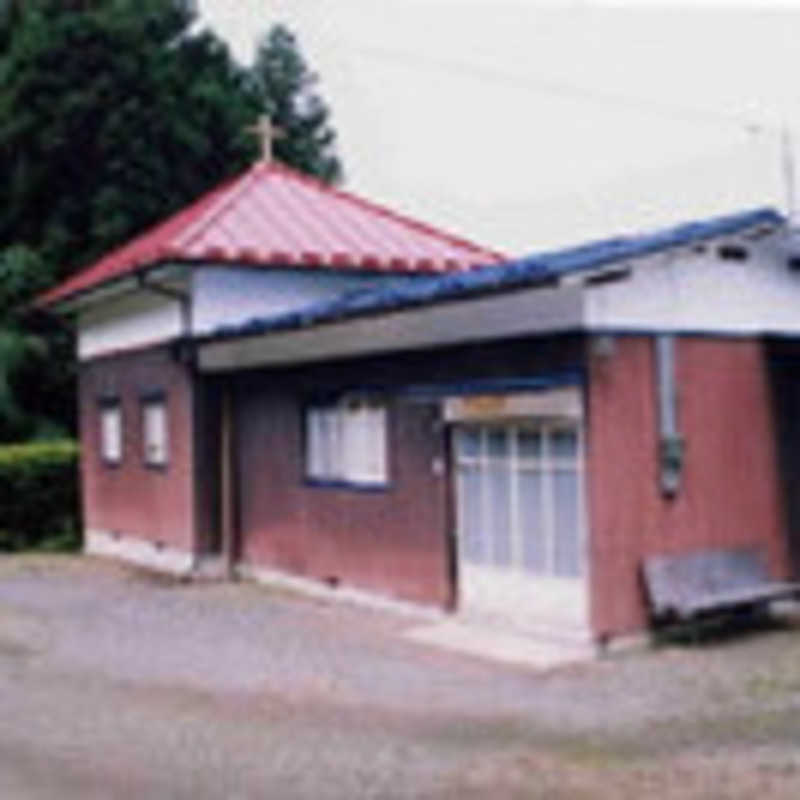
<point x="113" y="114"/>
<point x="36" y="392"/>
<point x="295" y="107"/>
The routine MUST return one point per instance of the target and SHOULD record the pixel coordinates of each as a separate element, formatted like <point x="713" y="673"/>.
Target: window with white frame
<point x="346" y="441"/>
<point x="111" y="431"/>
<point x="155" y="438"/>
<point x="520" y="497"/>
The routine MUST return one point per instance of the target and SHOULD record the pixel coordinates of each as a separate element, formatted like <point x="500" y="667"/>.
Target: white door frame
<point x="547" y="602"/>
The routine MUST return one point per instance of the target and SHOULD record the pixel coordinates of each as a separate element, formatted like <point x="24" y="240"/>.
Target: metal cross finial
<point x="267" y="134"/>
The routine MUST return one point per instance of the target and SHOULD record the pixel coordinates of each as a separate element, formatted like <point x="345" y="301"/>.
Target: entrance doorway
<point x="520" y="524"/>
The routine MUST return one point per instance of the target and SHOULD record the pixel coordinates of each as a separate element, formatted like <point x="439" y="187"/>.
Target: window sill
<point x="156" y="467"/>
<point x="355" y="486"/>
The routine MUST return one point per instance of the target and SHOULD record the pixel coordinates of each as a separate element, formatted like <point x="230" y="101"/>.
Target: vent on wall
<point x="607" y="276"/>
<point x="731" y="251"/>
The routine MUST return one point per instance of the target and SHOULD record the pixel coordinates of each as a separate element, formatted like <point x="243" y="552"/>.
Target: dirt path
<point x="117" y="685"/>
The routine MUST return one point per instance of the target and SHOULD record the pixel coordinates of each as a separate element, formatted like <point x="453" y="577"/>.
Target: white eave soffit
<point x="171" y="273"/>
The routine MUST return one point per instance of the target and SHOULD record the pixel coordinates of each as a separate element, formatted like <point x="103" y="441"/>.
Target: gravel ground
<point x="118" y="684"/>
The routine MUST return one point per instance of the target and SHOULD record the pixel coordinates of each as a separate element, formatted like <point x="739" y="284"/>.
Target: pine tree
<point x="289" y="98"/>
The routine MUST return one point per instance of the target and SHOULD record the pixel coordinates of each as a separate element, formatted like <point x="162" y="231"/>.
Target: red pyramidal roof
<point x="273" y="216"/>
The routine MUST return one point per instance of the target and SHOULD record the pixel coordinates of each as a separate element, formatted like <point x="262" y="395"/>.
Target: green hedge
<point x="39" y="506"/>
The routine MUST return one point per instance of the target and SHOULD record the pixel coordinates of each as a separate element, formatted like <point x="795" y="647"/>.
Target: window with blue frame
<point x="346" y="441"/>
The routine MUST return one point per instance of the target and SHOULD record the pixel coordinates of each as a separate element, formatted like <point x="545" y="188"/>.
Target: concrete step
<point x="557" y="632"/>
<point x="513" y="647"/>
<point x="209" y="568"/>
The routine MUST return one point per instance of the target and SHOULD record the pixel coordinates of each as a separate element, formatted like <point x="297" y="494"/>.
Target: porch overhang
<point x="535" y="310"/>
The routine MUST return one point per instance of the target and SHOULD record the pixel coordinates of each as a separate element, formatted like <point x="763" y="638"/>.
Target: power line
<point x="543" y="85"/>
<point x="561" y="89"/>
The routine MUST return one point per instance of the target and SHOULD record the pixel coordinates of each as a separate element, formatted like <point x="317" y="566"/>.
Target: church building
<point x="287" y="379"/>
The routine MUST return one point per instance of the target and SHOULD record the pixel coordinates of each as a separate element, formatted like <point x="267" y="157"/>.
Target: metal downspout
<point x="671" y="443"/>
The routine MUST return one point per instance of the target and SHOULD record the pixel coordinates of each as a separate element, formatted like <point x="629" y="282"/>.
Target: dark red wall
<point x="208" y="462"/>
<point x="133" y="499"/>
<point x="392" y="541"/>
<point x="730" y="487"/>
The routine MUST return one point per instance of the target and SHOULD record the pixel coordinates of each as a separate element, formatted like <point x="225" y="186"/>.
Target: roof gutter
<point x="109" y="288"/>
<point x="185" y="350"/>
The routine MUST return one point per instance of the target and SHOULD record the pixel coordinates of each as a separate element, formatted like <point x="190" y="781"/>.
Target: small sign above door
<point x="559" y="403"/>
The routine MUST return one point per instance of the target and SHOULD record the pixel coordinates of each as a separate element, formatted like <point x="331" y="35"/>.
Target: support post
<point x="227" y="487"/>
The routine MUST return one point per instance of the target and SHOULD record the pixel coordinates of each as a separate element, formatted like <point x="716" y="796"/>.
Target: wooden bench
<point x="689" y="586"/>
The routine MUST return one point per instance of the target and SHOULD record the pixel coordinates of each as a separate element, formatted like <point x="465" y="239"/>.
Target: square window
<point x="155" y="438"/>
<point x="346" y="442"/>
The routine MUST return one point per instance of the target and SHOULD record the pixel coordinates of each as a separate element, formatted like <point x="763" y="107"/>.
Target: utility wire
<point x="562" y="89"/>
<point x="543" y="85"/>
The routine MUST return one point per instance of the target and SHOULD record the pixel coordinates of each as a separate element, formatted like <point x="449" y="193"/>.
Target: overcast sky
<point x="526" y="126"/>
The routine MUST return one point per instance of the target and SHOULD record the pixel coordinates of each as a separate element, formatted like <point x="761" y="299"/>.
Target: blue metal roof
<point x="531" y="270"/>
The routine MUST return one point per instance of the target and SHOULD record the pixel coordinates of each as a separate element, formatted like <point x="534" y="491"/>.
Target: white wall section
<point x="220" y="296"/>
<point x="684" y="291"/>
<point x="232" y="295"/>
<point x="135" y="320"/>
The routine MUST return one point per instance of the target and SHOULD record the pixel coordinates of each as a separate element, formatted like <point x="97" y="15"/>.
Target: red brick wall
<point x="730" y="492"/>
<point x="133" y="499"/>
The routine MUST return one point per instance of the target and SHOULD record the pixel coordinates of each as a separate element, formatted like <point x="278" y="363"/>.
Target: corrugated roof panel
<point x="273" y="216"/>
